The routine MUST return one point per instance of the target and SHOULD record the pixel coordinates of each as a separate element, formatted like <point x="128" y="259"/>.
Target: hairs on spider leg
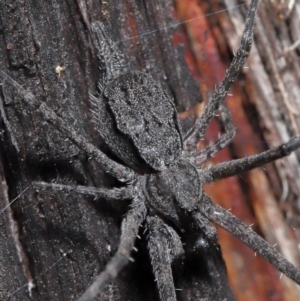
<point x="244" y="233"/>
<point x="130" y="226"/>
<point x="232" y="72"/>
<point x="111" y="194"/>
<point x="235" y="167"/>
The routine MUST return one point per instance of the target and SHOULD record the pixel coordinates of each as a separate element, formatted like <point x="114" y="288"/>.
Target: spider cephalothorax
<point x="138" y="121"/>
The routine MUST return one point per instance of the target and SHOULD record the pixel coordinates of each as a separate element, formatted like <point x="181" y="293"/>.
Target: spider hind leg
<point x="164" y="246"/>
<point x="129" y="231"/>
<point x="244" y="233"/>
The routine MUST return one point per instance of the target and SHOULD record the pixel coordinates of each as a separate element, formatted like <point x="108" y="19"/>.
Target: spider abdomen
<point x="141" y="119"/>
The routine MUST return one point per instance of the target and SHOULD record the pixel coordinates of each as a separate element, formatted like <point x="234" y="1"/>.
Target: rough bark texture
<point x="59" y="242"/>
<point x="54" y="244"/>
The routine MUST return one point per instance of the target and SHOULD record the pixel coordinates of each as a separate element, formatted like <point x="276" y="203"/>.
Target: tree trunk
<point x="54" y="243"/>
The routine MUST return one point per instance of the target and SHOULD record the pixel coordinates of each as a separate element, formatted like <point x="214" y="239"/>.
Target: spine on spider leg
<point x="232" y="72"/>
<point x="112" y="61"/>
<point x="244" y="233"/>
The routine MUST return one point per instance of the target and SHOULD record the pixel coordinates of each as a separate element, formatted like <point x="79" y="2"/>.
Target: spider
<point x="138" y="121"/>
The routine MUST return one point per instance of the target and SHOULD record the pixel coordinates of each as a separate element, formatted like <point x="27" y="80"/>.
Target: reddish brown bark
<point x="265" y="107"/>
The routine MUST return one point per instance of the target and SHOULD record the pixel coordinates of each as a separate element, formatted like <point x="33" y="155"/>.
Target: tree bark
<point x="265" y="106"/>
<point x="53" y="244"/>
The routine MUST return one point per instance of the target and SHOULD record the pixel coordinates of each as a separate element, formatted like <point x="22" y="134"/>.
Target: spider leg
<point x="244" y="233"/>
<point x="111" y="194"/>
<point x="232" y="72"/>
<point x="130" y="227"/>
<point x="210" y="150"/>
<point x="234" y="167"/>
<point x="164" y="245"/>
<point x="115" y="169"/>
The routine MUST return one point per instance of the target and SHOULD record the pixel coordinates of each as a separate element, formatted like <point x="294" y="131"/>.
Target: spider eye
<point x="201" y="245"/>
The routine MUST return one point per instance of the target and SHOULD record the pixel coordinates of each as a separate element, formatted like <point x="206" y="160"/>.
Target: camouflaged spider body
<point x="138" y="121"/>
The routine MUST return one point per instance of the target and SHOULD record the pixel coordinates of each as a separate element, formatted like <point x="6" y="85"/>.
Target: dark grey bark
<point x="53" y="244"/>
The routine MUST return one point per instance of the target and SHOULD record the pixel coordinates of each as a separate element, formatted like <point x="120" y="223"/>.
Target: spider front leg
<point x="130" y="227"/>
<point x="115" y="169"/>
<point x="164" y="246"/>
<point x="232" y="72"/>
<point x="244" y="233"/>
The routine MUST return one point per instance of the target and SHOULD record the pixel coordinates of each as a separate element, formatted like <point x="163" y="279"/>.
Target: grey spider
<point x="138" y="121"/>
